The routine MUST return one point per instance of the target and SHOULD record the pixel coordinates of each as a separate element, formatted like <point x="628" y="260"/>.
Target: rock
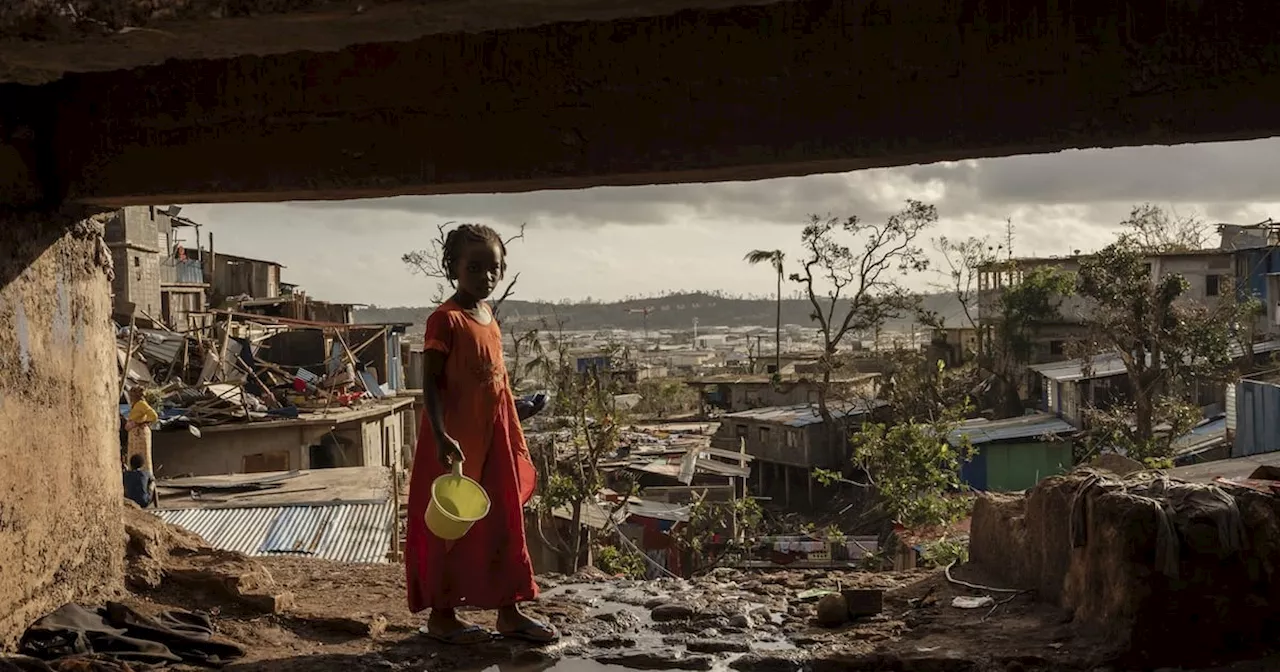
<point x="672" y="612"/>
<point x="613" y="642"/>
<point x="756" y="662"/>
<point x="622" y="620"/>
<point x="742" y="621"/>
<point x="1117" y="464"/>
<point x="833" y="611"/>
<point x="590" y="574"/>
<point x="709" y="633"/>
<point x="864" y="602"/>
<point x="717" y="646"/>
<point x="657" y="661"/>
<point x="541" y="657"/>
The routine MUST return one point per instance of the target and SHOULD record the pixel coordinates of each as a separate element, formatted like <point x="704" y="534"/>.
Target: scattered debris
<point x="251" y="368"/>
<point x="966" y="602"/>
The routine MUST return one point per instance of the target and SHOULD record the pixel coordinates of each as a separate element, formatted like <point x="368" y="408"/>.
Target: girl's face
<point x="479" y="269"/>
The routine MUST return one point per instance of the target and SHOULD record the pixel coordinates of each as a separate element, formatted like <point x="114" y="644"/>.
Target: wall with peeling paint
<point x="61" y="536"/>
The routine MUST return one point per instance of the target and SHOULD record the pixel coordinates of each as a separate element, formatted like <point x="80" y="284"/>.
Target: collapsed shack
<point x="245" y="368"/>
<point x="653" y="481"/>
<point x="1174" y="573"/>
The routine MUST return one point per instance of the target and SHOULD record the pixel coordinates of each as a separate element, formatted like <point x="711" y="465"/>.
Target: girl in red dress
<point x="471" y="416"/>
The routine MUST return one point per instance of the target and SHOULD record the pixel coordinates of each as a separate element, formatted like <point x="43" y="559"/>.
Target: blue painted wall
<point x="598" y="363"/>
<point x="1257" y="418"/>
<point x="974" y="472"/>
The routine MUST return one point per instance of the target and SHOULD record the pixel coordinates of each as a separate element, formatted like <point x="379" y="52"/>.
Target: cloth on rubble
<point x="1175" y="503"/>
<point x="81" y="663"/>
<point x="119" y="632"/>
<point x="12" y="663"/>
<point x="1192" y="501"/>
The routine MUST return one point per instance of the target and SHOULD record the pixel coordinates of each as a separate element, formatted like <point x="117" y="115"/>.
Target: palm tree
<point x="775" y="258"/>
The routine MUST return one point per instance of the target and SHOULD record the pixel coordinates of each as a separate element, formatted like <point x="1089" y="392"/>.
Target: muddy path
<point x="353" y="617"/>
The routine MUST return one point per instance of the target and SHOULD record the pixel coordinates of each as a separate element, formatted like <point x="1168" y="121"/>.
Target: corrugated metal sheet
<point x="297" y="530"/>
<point x="1231" y="407"/>
<point x="1100" y="366"/>
<point x="161" y="346"/>
<point x="1029" y="427"/>
<point x="1257" y="418"/>
<point x="1109" y="364"/>
<point x="803" y="415"/>
<point x="1204" y="436"/>
<point x="358" y="533"/>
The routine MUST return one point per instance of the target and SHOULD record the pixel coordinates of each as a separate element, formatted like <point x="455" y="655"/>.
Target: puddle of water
<point x="625" y="600"/>
<point x="567" y="665"/>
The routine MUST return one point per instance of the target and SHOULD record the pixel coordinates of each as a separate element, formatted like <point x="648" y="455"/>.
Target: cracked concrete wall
<point x="61" y="534"/>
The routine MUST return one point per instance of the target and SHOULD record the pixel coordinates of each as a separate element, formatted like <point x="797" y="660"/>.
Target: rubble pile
<point x="1173" y="572"/>
<point x="245" y="369"/>
<point x="160" y="555"/>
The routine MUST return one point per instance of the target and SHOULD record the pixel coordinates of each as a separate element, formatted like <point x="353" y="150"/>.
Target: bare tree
<point x="1154" y="229"/>
<point x="1027" y="300"/>
<point x="428" y="263"/>
<point x="856" y="289"/>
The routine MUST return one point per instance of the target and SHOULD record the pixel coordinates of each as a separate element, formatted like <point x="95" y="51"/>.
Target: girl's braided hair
<point x="468" y="233"/>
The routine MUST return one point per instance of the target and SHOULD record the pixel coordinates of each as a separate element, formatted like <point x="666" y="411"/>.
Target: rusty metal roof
<point x="357" y="533"/>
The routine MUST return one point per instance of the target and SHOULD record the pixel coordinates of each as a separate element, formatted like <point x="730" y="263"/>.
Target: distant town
<point x="819" y="429"/>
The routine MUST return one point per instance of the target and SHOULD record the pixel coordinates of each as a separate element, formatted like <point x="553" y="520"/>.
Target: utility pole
<point x="645" y="312"/>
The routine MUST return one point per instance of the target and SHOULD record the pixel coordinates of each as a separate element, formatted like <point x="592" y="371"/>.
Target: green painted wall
<point x="1020" y="466"/>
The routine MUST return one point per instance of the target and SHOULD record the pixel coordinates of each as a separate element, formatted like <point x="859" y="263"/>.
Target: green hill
<point x="676" y="311"/>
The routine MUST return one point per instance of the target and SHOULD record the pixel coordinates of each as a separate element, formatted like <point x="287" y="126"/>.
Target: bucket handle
<point x="457" y="468"/>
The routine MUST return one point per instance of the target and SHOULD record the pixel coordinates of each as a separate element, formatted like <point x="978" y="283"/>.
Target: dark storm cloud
<point x="1215" y="177"/>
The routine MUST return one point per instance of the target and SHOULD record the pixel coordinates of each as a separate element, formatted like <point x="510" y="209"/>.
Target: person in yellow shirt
<point x="141" y="417"/>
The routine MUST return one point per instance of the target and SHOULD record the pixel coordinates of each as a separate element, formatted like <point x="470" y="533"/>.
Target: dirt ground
<point x="320" y="616"/>
<point x="347" y="617"/>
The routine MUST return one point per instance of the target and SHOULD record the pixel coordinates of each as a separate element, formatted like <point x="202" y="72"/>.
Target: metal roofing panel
<point x="644" y="508"/>
<point x="1109" y="364"/>
<point x="162" y="346"/>
<point x="297" y="529"/>
<point x="1101" y="366"/>
<point x="803" y="415"/>
<point x="1014" y="428"/>
<point x="357" y="533"/>
<point x="240" y="530"/>
<point x="1205" y="435"/>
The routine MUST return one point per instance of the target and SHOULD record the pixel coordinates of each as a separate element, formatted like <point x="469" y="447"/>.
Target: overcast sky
<point x="609" y="243"/>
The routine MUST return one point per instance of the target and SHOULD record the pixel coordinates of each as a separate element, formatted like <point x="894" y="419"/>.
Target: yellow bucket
<point x="457" y="502"/>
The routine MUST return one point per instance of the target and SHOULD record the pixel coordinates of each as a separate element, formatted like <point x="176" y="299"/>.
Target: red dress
<point x="489" y="567"/>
